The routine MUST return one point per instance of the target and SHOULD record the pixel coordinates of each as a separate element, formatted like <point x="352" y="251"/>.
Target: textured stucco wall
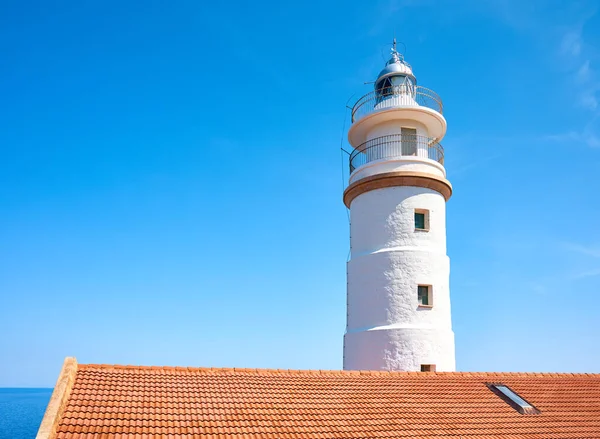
<point x="399" y="349"/>
<point x="386" y="328"/>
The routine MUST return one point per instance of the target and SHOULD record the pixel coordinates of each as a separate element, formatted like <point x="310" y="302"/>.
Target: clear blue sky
<point x="171" y="180"/>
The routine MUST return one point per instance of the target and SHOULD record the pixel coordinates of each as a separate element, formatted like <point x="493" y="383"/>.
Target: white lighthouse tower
<point x="398" y="274"/>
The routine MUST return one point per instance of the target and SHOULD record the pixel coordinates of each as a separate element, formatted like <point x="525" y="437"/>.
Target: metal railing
<point x="403" y="95"/>
<point x="396" y="145"/>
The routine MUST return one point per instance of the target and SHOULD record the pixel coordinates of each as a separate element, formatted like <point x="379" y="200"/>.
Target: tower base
<point x="402" y="349"/>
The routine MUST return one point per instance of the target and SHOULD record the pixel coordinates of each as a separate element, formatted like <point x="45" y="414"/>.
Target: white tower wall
<point x="395" y="126"/>
<point x="387" y="329"/>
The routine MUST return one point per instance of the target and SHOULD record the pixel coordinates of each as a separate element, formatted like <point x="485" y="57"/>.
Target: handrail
<point x="394" y="146"/>
<point x="404" y="95"/>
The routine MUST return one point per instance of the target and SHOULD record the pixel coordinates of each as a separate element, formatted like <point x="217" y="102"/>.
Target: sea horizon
<point x="22" y="410"/>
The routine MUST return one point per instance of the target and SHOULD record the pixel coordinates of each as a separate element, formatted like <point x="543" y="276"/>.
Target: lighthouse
<point x="398" y="298"/>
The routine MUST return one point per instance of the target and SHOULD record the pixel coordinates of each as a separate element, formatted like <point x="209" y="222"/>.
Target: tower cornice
<point x="398" y="178"/>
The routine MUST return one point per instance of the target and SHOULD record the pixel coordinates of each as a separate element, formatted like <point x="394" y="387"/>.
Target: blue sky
<point x="171" y="179"/>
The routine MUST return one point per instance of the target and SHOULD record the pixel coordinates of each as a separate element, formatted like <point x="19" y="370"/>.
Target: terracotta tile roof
<point x="128" y="402"/>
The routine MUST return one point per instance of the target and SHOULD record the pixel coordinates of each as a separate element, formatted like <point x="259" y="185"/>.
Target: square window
<point x="427" y="367"/>
<point x="424" y="295"/>
<point x="421" y="219"/>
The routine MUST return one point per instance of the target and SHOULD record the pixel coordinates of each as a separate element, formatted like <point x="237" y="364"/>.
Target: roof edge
<point x="58" y="400"/>
<point x="208" y="370"/>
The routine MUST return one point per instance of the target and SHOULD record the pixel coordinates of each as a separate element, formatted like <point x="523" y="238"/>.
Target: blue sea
<point x="21" y="412"/>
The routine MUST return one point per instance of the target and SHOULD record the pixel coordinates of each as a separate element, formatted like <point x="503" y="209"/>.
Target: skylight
<point x="513" y="399"/>
<point x="513" y="396"/>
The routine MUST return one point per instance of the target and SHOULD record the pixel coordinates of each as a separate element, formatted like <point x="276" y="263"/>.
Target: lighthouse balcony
<point x="397" y="96"/>
<point x="403" y="101"/>
<point x="395" y="151"/>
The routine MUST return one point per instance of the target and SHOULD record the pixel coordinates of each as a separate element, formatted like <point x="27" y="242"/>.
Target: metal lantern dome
<point x="397" y="72"/>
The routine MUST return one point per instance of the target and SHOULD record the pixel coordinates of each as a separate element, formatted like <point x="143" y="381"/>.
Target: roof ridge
<point x="337" y="372"/>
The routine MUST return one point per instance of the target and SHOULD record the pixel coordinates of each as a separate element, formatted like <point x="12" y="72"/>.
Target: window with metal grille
<point x="427" y="367"/>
